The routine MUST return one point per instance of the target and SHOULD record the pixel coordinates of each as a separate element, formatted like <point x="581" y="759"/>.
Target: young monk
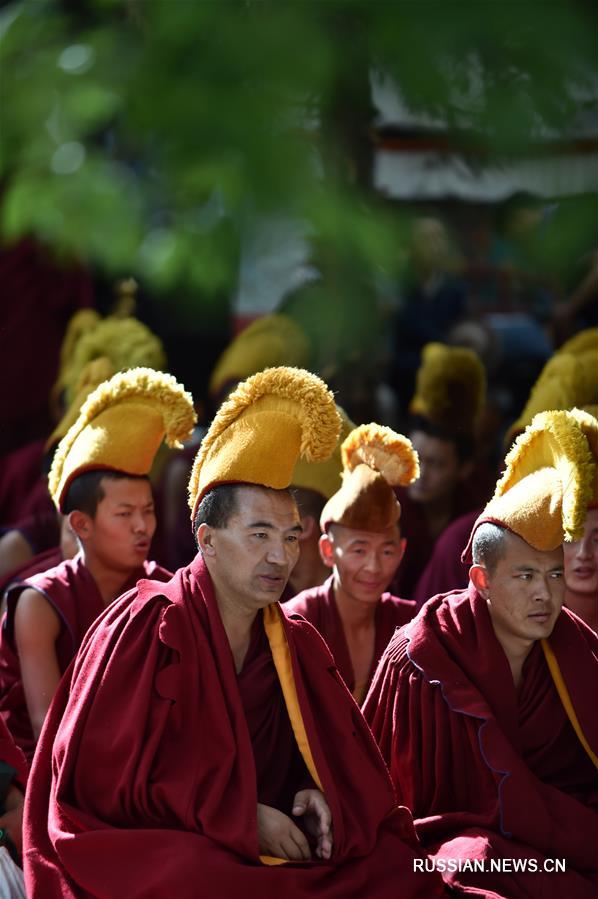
<point x="99" y="482"/>
<point x="485" y="704"/>
<point x="362" y="544"/>
<point x="206" y="742"/>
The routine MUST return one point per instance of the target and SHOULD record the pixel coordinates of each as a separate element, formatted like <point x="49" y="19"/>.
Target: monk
<point x="484" y="705"/>
<point x="581" y="572"/>
<point x="231" y="736"/>
<point x="362" y="544"/>
<point x="111" y="513"/>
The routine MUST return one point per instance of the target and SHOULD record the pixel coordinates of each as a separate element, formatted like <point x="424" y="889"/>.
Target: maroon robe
<point x="490" y="770"/>
<point x="319" y="607"/>
<point x="73" y="594"/>
<point x="145" y="783"/>
<point x="445" y="571"/>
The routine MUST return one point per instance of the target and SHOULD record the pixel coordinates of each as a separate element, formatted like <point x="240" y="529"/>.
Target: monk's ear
<point x="309" y="525"/>
<point x="205" y="540"/>
<point x="326" y="552"/>
<point x="478" y="576"/>
<point x="80" y="523"/>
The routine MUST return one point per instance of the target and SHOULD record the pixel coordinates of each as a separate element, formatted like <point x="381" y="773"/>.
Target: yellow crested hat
<point x="375" y="459"/>
<point x="450" y="388"/>
<point x="548" y="482"/>
<point x="270" y="341"/>
<point x="124" y="342"/>
<point x="324" y="477"/>
<point x="567" y="380"/>
<point x="121" y="426"/>
<point x="260" y="431"/>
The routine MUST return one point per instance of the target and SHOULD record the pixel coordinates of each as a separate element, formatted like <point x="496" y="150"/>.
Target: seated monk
<point x="99" y="482"/>
<point x="484" y="705"/>
<point x="362" y="545"/>
<point x="204" y="743"/>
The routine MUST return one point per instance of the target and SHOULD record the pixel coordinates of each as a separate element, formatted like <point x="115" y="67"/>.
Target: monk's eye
<point x="261" y="536"/>
<point x="557" y="575"/>
<point x="292" y="538"/>
<point x="525" y="577"/>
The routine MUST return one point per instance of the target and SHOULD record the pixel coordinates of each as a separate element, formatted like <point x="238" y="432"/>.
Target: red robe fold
<point x="73" y="594"/>
<point x="144" y="783"/>
<point x="491" y="771"/>
<point x="318" y="606"/>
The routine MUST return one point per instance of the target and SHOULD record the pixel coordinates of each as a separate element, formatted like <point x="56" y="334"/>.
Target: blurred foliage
<point x="137" y="133"/>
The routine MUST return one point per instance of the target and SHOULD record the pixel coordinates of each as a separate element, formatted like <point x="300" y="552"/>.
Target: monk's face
<point x="119" y="535"/>
<point x="440" y="469"/>
<point x="525" y="592"/>
<point x="581" y="559"/>
<point x="250" y="559"/>
<point x="364" y="562"/>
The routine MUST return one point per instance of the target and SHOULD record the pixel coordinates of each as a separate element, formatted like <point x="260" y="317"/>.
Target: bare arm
<point x="36" y="629"/>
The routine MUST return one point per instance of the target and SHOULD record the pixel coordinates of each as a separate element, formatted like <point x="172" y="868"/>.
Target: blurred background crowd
<point x="337" y="185"/>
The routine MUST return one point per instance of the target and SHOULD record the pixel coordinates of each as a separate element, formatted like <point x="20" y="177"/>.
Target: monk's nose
<point x="276" y="554"/>
<point x="582" y="550"/>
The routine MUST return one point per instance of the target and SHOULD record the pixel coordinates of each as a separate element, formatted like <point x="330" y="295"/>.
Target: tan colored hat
<point x="548" y="482"/>
<point x="259" y="432"/>
<point x="121" y="426"/>
<point x="450" y="388"/>
<point x="375" y="459"/>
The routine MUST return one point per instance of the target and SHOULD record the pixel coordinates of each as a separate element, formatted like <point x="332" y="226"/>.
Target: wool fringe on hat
<point x="121" y="425"/>
<point x="324" y="477"/>
<point x="375" y="459"/>
<point x="259" y="432"/>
